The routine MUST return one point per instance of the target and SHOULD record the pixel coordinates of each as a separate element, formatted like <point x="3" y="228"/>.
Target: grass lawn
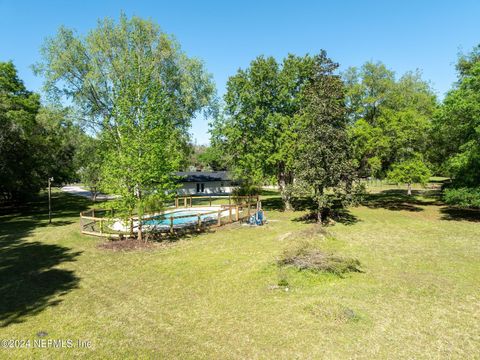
<point x="214" y="295"/>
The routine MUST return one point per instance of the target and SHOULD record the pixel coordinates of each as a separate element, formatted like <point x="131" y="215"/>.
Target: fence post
<point x="185" y="202"/>
<point x="219" y="218"/>
<point x="229" y="214"/>
<point x="171" y="224"/>
<point x="93" y="212"/>
<point x="101" y="226"/>
<point x="210" y="198"/>
<point x="176" y="202"/>
<point x="237" y="215"/>
<point x="199" y="222"/>
<point x="191" y="198"/>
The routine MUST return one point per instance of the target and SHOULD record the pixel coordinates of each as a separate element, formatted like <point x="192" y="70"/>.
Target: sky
<point x="228" y="35"/>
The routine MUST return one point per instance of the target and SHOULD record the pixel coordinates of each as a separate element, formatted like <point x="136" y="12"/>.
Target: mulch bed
<point x="127" y="245"/>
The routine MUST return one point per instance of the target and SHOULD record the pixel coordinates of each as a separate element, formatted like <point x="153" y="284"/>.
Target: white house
<point x="204" y="182"/>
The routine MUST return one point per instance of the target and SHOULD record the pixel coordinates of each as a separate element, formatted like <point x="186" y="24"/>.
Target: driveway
<point x="79" y="191"/>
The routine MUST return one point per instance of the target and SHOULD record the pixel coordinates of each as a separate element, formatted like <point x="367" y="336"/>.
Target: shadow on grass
<point x="29" y="278"/>
<point x="397" y="200"/>
<point x="458" y="214"/>
<point x="338" y="215"/>
<point x="276" y="203"/>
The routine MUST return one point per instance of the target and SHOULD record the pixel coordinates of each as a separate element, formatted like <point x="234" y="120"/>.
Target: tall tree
<point x="18" y="134"/>
<point x="36" y="142"/>
<point x="390" y="119"/>
<point x="323" y="158"/>
<point x="134" y="86"/>
<point x="257" y="132"/>
<point x="456" y="126"/>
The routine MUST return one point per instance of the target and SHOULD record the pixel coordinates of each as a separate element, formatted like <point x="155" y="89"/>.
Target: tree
<point x="89" y="160"/>
<point x="409" y="172"/>
<point x="18" y="131"/>
<point x="207" y="158"/>
<point x="390" y="120"/>
<point x="136" y="88"/>
<point x="257" y="131"/>
<point x="456" y="126"/>
<point x="36" y="142"/>
<point x="323" y="161"/>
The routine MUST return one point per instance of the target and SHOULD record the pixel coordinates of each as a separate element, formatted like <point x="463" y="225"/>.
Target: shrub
<point x="246" y="190"/>
<point x="463" y="197"/>
<point x="307" y="257"/>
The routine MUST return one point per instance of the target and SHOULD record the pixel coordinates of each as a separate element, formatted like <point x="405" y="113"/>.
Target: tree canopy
<point x="323" y="158"/>
<point x="390" y="119"/>
<point x="456" y="126"/>
<point x="134" y="86"/>
<point x="258" y="129"/>
<point x="35" y="142"/>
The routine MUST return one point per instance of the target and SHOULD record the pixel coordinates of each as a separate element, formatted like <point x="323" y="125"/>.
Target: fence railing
<point x="227" y="209"/>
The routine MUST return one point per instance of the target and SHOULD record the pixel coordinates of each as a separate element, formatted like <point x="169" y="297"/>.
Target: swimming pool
<point x="181" y="219"/>
<point x="184" y="219"/>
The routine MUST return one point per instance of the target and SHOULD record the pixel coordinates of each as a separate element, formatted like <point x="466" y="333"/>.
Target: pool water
<point x="165" y="219"/>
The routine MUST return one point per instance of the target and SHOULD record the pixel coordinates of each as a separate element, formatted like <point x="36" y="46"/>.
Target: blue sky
<point x="405" y="35"/>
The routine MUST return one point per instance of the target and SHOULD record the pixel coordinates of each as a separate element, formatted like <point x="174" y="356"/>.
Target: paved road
<point x="77" y="190"/>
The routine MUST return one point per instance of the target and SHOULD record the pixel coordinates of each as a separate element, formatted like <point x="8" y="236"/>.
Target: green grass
<point x="215" y="296"/>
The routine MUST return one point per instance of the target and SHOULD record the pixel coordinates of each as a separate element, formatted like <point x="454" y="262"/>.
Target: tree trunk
<point x="409" y="189"/>
<point x="319" y="216"/>
<point x="140" y="215"/>
<point x="139" y="233"/>
<point x="130" y="220"/>
<point x="284" y="179"/>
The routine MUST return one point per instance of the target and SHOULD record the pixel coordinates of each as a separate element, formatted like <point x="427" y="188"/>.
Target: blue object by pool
<point x="165" y="219"/>
<point x="257" y="219"/>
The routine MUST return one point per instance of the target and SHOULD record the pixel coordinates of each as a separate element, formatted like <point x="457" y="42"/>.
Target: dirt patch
<point x="127" y="245"/>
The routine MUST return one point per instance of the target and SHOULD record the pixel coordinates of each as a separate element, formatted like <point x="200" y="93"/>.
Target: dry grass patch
<point x="307" y="257"/>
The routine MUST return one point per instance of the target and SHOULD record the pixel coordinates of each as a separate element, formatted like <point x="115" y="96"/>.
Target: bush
<point x="246" y="190"/>
<point x="308" y="257"/>
<point x="463" y="197"/>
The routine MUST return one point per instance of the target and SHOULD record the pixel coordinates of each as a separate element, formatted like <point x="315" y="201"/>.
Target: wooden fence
<point x="100" y="222"/>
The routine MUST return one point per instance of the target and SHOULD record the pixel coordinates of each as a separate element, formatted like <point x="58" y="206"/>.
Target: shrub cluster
<point x="463" y="197"/>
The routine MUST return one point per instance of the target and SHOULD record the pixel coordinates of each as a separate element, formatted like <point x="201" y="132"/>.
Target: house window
<point x="200" y="187"/>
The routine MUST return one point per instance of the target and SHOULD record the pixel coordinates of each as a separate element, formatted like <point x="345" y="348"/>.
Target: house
<point x="204" y="182"/>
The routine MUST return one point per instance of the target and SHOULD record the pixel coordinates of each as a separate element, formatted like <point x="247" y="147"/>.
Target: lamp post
<point x="50" y="179"/>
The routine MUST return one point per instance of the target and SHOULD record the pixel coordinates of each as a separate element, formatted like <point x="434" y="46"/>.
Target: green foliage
<point x="246" y="190"/>
<point x="35" y="142"/>
<point x="456" y="126"/>
<point x="136" y="88"/>
<point x="207" y="158"/>
<point x="409" y="172"/>
<point x="89" y="160"/>
<point x="323" y="158"/>
<point x="390" y="120"/>
<point x="462" y="197"/>
<point x="257" y="132"/>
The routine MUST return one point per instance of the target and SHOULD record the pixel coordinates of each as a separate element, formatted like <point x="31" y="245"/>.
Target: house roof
<point x="203" y="176"/>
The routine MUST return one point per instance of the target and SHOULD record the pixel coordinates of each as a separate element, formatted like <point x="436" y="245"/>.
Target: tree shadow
<point x="30" y="279"/>
<point x="298" y="204"/>
<point x="395" y="200"/>
<point x="336" y="215"/>
<point x="451" y="213"/>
